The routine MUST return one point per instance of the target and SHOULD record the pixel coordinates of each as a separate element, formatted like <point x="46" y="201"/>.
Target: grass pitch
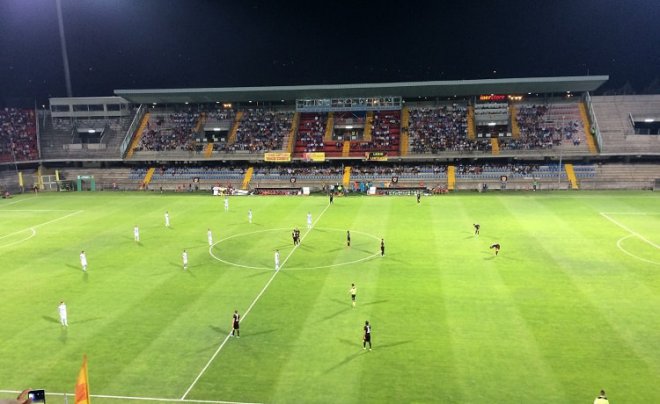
<point x="567" y="308"/>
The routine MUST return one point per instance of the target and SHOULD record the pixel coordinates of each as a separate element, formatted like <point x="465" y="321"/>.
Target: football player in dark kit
<point x="332" y="197"/>
<point x="419" y="197"/>
<point x="477" y="226"/>
<point x="348" y="238"/>
<point x="367" y="336"/>
<point x="382" y="247"/>
<point x="496" y="246"/>
<point x="296" y="240"/>
<point x="293" y="236"/>
<point x="235" y="320"/>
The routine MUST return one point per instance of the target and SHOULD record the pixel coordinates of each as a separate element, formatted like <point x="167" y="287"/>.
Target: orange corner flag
<point x="82" y="385"/>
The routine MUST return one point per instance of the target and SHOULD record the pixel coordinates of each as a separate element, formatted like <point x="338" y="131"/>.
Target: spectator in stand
<point x="18" y="135"/>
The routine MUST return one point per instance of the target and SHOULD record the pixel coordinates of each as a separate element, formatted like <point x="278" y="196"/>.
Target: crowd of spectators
<point x="311" y="130"/>
<point x="385" y="131"/>
<point x="168" y="132"/>
<point x="217" y="115"/>
<point x="509" y="169"/>
<point x="540" y="129"/>
<point x="262" y="130"/>
<point x="434" y="130"/>
<point x="18" y="135"/>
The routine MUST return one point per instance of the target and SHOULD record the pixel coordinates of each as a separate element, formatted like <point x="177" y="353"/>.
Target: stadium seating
<point x="613" y="117"/>
<point x="438" y="129"/>
<point x="262" y="130"/>
<point x="18" y="135"/>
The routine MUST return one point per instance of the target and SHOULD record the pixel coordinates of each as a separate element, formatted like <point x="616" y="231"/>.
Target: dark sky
<point x="116" y="44"/>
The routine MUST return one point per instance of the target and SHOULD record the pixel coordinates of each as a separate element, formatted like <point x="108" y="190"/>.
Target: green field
<point x="568" y="307"/>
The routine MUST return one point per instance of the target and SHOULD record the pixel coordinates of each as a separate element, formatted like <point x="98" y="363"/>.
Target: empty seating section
<point x="169" y="131"/>
<point x="441" y="128"/>
<point x="547" y="125"/>
<point x="262" y="130"/>
<point x="18" y="135"/>
<point x="613" y="115"/>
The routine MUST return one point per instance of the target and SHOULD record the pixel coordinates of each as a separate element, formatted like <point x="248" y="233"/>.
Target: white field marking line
<point x="42" y="224"/>
<point x="35" y="210"/>
<point x="169" y="400"/>
<point x="15" y="202"/>
<point x="299" y="269"/>
<point x="240" y="235"/>
<point x="630" y="231"/>
<point x="618" y="244"/>
<point x="630" y="213"/>
<point x="256" y="299"/>
<point x="34" y="233"/>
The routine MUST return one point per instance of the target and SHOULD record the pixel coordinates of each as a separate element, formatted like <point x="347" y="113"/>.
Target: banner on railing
<point x="315" y="156"/>
<point x="375" y="156"/>
<point x="277" y="157"/>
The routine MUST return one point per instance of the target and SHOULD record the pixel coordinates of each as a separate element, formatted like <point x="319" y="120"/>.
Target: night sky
<point x="115" y="44"/>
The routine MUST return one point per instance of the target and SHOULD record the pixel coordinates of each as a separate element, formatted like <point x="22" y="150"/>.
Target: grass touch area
<point x="568" y="307"/>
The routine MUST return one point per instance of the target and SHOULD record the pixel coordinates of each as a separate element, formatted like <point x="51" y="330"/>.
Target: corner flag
<point x="82" y="385"/>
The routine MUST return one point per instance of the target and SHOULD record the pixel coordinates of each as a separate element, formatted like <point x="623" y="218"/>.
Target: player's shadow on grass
<point x="64" y="335"/>
<point x="51" y="319"/>
<point x="254" y="334"/>
<point x="335" y="314"/>
<point x="346" y="359"/>
<point x="259" y="273"/>
<point x="87" y="320"/>
<point x="219" y="330"/>
<point x="374" y="302"/>
<point x="76" y="267"/>
<point x="393" y="344"/>
<point x="342" y="302"/>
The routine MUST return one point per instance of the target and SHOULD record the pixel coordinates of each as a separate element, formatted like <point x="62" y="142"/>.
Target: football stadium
<point x="457" y="241"/>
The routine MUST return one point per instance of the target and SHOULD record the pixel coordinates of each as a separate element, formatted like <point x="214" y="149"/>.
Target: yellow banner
<point x="277" y="157"/>
<point x="315" y="156"/>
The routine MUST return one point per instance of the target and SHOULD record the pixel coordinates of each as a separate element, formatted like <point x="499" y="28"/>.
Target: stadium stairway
<point x="200" y="122"/>
<point x="234" y="128"/>
<point x="471" y="130"/>
<point x="495" y="145"/>
<point x="570" y="174"/>
<point x="138" y="135"/>
<point x="451" y="178"/>
<point x="346" y="149"/>
<point x="346" y="180"/>
<point x="405" y="138"/>
<point x="329" y="127"/>
<point x="591" y="144"/>
<point x="148" y="176"/>
<point x="208" y="149"/>
<point x="368" y="124"/>
<point x="515" y="128"/>
<point x="247" y="178"/>
<point x="292" y="133"/>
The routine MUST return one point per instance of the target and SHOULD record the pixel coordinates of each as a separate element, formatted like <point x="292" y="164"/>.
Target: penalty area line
<point x="256" y="299"/>
<point x="166" y="400"/>
<point x="41" y="224"/>
<point x="634" y="233"/>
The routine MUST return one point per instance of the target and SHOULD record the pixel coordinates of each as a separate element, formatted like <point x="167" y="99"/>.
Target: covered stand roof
<point x="404" y="89"/>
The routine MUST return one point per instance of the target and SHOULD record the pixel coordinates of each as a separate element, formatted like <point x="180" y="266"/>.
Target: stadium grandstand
<point x="504" y="134"/>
